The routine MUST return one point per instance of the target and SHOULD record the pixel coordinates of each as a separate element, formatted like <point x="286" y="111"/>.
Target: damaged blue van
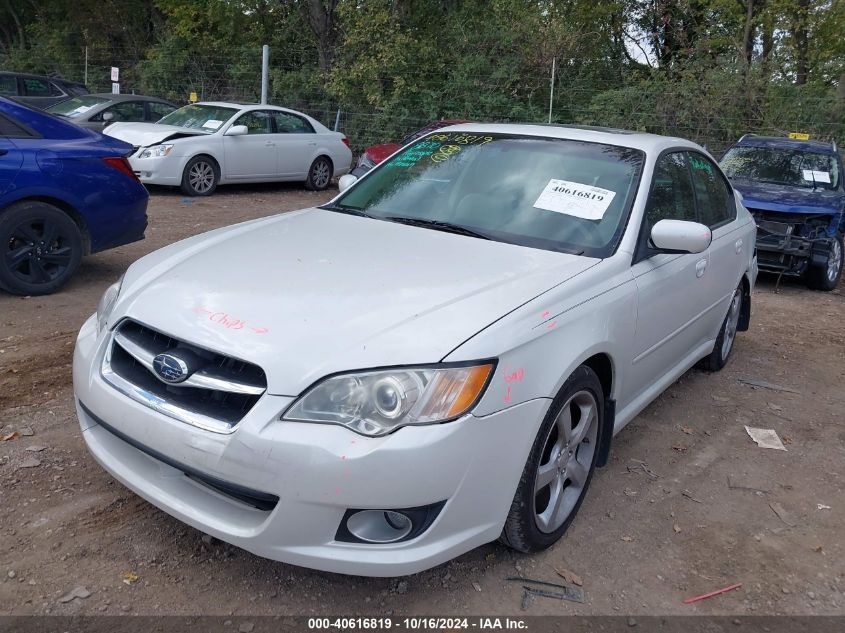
<point x="794" y="189"/>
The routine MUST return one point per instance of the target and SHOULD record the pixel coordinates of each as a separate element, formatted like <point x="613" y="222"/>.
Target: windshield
<point x="207" y="118"/>
<point x="76" y="106"/>
<point x="792" y="167"/>
<point x="553" y="194"/>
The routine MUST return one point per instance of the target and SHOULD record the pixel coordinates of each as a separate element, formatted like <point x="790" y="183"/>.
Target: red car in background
<point x="374" y="154"/>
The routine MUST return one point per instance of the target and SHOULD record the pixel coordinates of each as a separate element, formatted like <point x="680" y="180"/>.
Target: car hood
<point x="146" y="134"/>
<point x="311" y="293"/>
<point x="785" y="199"/>
<point x="379" y="152"/>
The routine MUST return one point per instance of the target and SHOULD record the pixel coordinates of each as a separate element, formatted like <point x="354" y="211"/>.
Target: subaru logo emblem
<point x="170" y="368"/>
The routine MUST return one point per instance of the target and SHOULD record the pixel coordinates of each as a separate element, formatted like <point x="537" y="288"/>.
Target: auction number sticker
<point x="575" y="199"/>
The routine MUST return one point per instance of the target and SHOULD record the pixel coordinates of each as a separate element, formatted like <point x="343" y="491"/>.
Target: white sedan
<point x="437" y="358"/>
<point x="202" y="145"/>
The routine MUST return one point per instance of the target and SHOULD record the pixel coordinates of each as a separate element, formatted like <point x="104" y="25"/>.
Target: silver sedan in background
<point x="97" y="111"/>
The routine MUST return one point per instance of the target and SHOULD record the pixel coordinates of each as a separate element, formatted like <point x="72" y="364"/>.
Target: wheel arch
<point x="69" y="209"/>
<point x="602" y="364"/>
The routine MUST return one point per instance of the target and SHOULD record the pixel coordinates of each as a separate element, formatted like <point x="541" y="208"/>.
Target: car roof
<point x="48" y="77"/>
<point x="649" y="143"/>
<point x="779" y="142"/>
<point x="247" y="106"/>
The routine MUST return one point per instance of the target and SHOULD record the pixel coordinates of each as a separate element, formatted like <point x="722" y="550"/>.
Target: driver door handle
<point x="700" y="267"/>
<point x="269" y="143"/>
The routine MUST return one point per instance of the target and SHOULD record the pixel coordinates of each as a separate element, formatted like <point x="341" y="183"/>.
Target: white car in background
<point x="202" y="145"/>
<point x="438" y="357"/>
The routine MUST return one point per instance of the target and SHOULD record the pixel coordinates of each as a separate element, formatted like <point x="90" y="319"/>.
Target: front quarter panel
<point x="540" y="344"/>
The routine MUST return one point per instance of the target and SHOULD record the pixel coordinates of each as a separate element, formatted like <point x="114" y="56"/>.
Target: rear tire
<point x="560" y="466"/>
<point x="40" y="248"/>
<point x="826" y="277"/>
<point x="718" y="358"/>
<point x="319" y="174"/>
<point x="200" y="176"/>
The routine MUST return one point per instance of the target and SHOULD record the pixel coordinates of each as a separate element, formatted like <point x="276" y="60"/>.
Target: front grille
<point x="216" y="396"/>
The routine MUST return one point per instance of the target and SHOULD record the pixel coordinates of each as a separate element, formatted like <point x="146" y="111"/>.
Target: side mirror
<point x="680" y="236"/>
<point x="108" y="116"/>
<point x="237" y="130"/>
<point x="346" y="181"/>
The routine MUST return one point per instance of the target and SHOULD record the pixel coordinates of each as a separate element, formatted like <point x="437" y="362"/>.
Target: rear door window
<point x="287" y="123"/>
<point x="37" y="87"/>
<point x="158" y="110"/>
<point x="12" y="129"/>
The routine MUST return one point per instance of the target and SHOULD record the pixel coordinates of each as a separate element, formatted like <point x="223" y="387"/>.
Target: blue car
<point x="65" y="192"/>
<point x="794" y="189"/>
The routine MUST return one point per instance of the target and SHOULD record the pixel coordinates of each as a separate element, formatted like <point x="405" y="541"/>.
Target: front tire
<point x="200" y="176"/>
<point x="40" y="248"/>
<point x="560" y="466"/>
<point x="319" y="174"/>
<point x="826" y="277"/>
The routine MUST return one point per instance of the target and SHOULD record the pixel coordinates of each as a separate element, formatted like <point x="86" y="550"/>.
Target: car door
<point x="11" y="157"/>
<point x="252" y="155"/>
<point x="40" y="92"/>
<point x="670" y="298"/>
<point x="727" y="254"/>
<point x="297" y="145"/>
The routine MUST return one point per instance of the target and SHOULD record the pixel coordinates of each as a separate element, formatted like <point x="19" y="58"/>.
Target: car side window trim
<point x="731" y="196"/>
<point x="12" y="124"/>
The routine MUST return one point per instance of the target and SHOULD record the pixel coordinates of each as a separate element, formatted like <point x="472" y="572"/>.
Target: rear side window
<point x="671" y="196"/>
<point x="12" y="129"/>
<point x="159" y="110"/>
<point x="713" y="196"/>
<point x="291" y="124"/>
<point x="8" y="85"/>
<point x="35" y="87"/>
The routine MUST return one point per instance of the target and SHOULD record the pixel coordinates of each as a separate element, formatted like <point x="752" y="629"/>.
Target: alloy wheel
<point x="37" y="251"/>
<point x="565" y="461"/>
<point x="201" y="177"/>
<point x="834" y="260"/>
<point x="732" y="323"/>
<point x="321" y="174"/>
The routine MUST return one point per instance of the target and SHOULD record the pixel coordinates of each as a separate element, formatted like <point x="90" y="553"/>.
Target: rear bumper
<point x="316" y="473"/>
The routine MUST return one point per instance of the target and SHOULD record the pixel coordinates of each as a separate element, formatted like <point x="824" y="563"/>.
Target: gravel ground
<point x="687" y="504"/>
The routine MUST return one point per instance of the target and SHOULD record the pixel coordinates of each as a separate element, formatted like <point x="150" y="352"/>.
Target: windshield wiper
<point x="437" y="225"/>
<point x="341" y="208"/>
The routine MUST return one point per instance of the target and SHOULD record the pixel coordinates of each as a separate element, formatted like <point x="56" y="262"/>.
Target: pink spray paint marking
<point x="552" y="325"/>
<point x="510" y="377"/>
<point x="226" y="320"/>
<point x="545" y="314"/>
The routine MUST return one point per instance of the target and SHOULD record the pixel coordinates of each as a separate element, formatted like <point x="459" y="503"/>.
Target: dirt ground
<point x="687" y="504"/>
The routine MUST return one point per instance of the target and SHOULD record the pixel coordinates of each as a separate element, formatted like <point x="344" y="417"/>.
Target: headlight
<point x="378" y="402"/>
<point x="106" y="305"/>
<point x="156" y="151"/>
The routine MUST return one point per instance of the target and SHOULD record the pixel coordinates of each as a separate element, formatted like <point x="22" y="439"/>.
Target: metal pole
<point x="265" y="72"/>
<point x="85" y="81"/>
<point x="337" y="121"/>
<point x="552" y="91"/>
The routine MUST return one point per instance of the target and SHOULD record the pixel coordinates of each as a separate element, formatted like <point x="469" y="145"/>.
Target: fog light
<point x="378" y="526"/>
<point x="386" y="526"/>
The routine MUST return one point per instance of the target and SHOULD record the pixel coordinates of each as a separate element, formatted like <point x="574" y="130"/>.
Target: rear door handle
<point x="269" y="143"/>
<point x="738" y="246"/>
<point x="700" y="267"/>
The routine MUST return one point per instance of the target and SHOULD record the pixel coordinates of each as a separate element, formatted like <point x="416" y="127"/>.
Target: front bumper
<point x="316" y="471"/>
<point x="165" y="170"/>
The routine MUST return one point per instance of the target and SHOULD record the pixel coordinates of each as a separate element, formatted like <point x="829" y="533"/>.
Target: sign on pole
<point x="192" y="97"/>
<point x="115" y="89"/>
<point x="115" y="73"/>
